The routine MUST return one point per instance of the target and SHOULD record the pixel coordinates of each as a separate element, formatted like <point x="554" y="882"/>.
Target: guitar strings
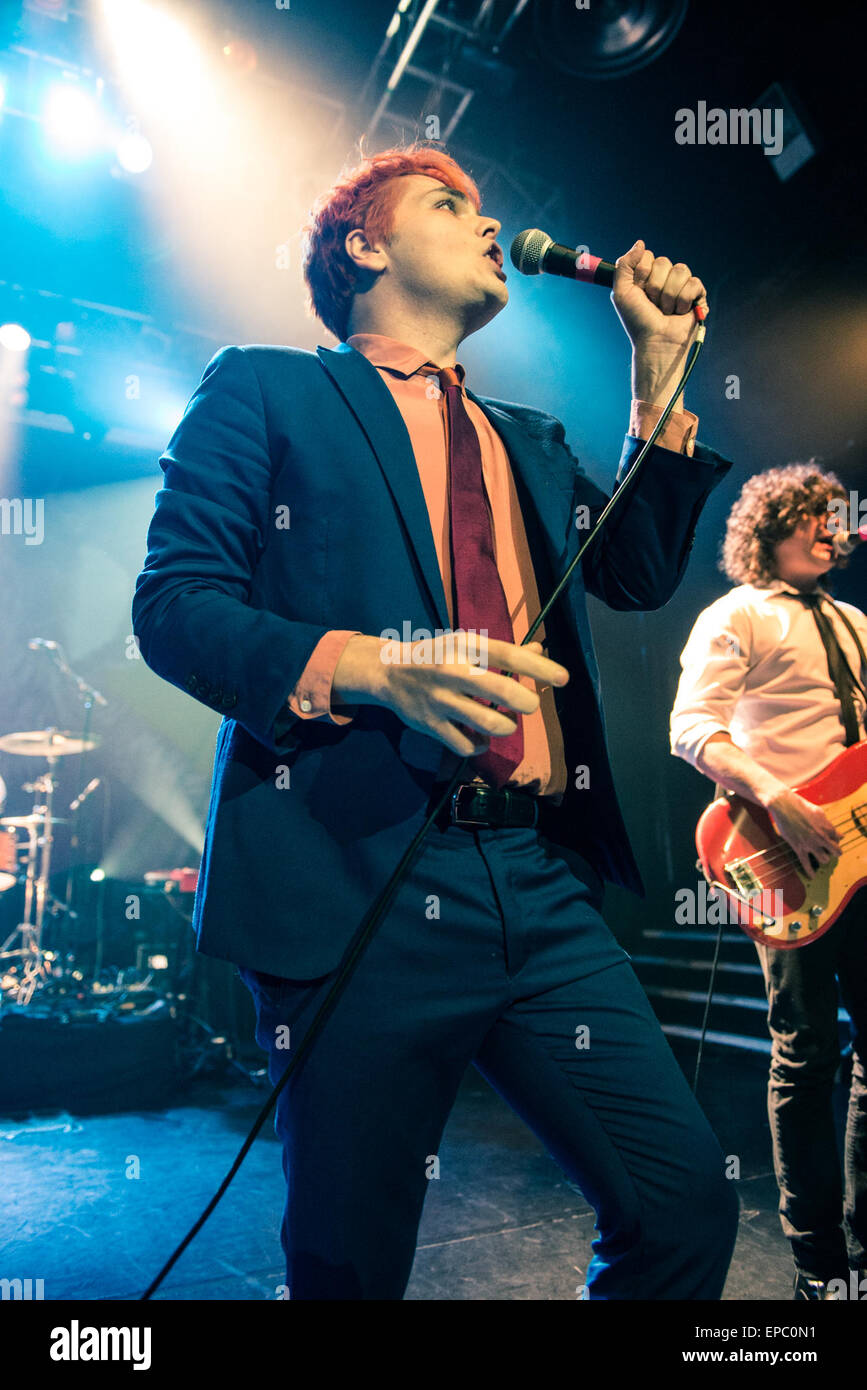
<point x="785" y="851"/>
<point x="786" y="860"/>
<point x="777" y="855"/>
<point x="777" y="852"/>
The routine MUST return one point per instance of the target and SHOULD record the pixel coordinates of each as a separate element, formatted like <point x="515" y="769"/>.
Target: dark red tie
<point x="479" y="600"/>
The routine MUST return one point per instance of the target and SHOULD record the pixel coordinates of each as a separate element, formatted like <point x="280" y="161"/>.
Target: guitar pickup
<point x="744" y="879"/>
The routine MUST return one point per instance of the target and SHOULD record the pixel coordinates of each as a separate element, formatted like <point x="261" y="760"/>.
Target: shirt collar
<point x="779" y="586"/>
<point x="394" y="355"/>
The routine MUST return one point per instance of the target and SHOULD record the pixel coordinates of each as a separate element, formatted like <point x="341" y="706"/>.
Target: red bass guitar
<point x="768" y="893"/>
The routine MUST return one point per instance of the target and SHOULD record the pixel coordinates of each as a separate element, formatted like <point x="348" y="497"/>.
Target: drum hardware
<point x="46" y="743"/>
<point x="8" y="858"/>
<point x="158" y="980"/>
<point x="204" y="1048"/>
<point x="65" y="744"/>
<point x="24" y="944"/>
<point x="173" y="880"/>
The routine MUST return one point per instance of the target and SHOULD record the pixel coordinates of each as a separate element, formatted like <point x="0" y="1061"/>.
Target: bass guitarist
<point x="771" y="692"/>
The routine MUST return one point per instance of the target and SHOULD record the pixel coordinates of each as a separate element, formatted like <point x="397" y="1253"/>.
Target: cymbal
<point x="24" y="821"/>
<point x="46" y="743"/>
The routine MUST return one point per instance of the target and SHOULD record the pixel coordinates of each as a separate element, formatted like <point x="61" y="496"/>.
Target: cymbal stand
<point x="36" y="890"/>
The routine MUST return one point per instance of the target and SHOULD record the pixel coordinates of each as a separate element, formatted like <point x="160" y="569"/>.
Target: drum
<point x="8" y="860"/>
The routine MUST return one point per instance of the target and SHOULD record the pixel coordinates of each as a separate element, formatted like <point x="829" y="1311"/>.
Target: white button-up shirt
<point x="754" y="667"/>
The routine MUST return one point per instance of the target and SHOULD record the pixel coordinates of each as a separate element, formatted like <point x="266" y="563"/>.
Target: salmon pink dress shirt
<point x="412" y="380"/>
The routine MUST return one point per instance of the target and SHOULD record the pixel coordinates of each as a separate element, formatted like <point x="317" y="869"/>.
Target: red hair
<point x="365" y="196"/>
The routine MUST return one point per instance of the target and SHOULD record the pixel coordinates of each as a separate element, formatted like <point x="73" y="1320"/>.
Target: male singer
<point x="314" y="504"/>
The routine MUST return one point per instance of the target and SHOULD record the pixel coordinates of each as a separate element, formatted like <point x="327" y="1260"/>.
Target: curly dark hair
<point x="767" y="511"/>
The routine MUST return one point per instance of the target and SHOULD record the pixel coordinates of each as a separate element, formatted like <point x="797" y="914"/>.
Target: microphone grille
<point x="527" y="251"/>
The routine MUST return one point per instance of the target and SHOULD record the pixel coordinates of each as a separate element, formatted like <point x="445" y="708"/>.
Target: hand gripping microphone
<point x="533" y="252"/>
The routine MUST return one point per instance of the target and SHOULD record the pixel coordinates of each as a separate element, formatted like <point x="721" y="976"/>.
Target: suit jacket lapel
<point x="547" y="479"/>
<point x="372" y="404"/>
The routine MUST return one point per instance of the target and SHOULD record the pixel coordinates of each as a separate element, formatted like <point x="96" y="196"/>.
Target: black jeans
<point x="824" y="1218"/>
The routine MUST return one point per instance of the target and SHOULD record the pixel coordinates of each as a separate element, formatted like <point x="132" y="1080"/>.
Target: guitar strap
<point x="858" y="644"/>
<point x="718" y="790"/>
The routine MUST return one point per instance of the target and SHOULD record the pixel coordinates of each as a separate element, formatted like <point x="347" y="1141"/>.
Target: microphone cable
<point x="374" y="914"/>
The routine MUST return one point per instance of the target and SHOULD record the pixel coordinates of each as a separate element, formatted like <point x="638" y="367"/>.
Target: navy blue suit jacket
<point x="232" y="600"/>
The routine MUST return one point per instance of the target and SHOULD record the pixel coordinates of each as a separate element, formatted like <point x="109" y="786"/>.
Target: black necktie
<point x="838" y="667"/>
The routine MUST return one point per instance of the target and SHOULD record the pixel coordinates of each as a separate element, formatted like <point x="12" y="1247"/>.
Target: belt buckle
<point x="457" y="818"/>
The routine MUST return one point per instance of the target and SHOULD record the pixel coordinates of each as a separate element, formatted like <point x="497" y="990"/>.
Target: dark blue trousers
<point x="824" y="1217"/>
<point x="494" y="953"/>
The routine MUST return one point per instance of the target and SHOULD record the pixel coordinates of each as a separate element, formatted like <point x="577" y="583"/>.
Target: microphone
<point x="844" y="542"/>
<point x="36" y="642"/>
<point x="535" y="253"/>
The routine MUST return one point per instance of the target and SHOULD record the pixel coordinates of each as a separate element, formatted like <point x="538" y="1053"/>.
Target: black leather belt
<point x="474" y="804"/>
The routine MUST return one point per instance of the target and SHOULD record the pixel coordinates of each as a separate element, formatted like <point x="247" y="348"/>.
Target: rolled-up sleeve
<point x="715" y="663"/>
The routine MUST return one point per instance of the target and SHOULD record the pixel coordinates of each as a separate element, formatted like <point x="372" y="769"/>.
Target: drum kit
<point x="26" y="844"/>
<point x="68" y="990"/>
<point x="36" y="958"/>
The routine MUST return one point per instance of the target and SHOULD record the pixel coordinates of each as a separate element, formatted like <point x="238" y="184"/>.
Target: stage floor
<point x="501" y="1222"/>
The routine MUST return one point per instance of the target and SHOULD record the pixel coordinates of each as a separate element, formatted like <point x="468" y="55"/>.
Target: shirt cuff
<point x="680" y="429"/>
<point x="311" y="698"/>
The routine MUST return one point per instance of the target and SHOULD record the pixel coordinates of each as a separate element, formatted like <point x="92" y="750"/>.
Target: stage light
<point x="134" y="153"/>
<point x="610" y="40"/>
<point x="160" y="58"/>
<point x="14" y="338"/>
<point x="97" y="875"/>
<point x="73" y="123"/>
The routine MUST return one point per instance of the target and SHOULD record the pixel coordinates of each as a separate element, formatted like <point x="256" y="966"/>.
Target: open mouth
<point x="495" y="255"/>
